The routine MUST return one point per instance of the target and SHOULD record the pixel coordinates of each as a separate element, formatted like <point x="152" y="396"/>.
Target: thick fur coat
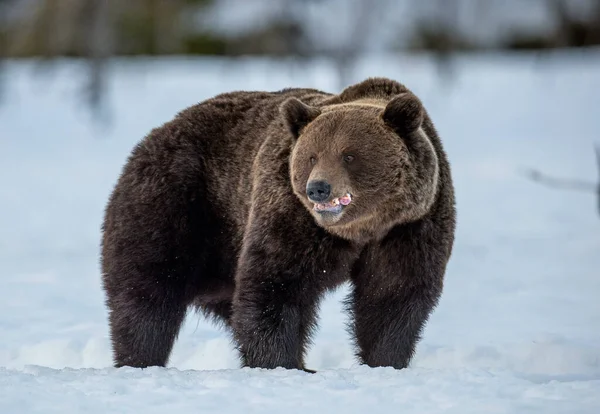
<point x="212" y="211"/>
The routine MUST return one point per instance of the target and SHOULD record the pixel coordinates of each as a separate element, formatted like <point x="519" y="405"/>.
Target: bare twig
<point x="96" y="46"/>
<point x="598" y="186"/>
<point x="570" y="184"/>
<point x="598" y="162"/>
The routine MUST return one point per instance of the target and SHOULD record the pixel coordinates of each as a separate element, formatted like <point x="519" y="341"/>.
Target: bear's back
<point x="212" y="146"/>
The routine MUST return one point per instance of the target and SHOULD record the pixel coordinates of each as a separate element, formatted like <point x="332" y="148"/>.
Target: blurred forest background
<point x="299" y="30"/>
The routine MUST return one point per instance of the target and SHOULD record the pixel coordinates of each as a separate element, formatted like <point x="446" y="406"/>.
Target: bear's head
<point x="362" y="164"/>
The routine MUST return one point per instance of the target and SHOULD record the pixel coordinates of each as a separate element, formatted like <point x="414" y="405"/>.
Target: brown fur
<point x="211" y="211"/>
<point x="392" y="180"/>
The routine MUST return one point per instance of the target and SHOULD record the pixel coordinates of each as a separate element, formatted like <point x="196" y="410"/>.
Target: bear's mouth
<point x="335" y="205"/>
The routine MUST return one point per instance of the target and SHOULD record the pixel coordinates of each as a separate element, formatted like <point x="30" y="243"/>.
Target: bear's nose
<point x="318" y="191"/>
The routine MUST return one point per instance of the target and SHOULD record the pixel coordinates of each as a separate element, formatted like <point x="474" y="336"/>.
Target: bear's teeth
<point x="336" y="201"/>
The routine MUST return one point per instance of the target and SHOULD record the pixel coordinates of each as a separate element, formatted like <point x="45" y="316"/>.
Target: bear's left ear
<point x="297" y="115"/>
<point x="404" y="113"/>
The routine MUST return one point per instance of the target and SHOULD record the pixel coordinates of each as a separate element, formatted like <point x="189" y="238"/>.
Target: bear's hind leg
<point x="144" y="330"/>
<point x="218" y="312"/>
<point x="155" y="233"/>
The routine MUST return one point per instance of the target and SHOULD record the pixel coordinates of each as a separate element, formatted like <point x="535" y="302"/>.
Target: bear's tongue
<point x="334" y="204"/>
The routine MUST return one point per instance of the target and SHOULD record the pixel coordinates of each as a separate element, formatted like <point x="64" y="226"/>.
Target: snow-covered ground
<point x="518" y="327"/>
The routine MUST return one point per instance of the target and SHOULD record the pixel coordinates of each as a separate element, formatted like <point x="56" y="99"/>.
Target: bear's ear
<point x="297" y="115"/>
<point x="376" y="87"/>
<point x="404" y="113"/>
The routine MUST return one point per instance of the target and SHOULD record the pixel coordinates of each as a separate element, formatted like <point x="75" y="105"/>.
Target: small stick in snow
<point x="554" y="182"/>
<point x="570" y="184"/>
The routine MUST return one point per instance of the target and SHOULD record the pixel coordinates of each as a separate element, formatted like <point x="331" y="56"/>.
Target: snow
<point x="516" y="329"/>
<point x="421" y="390"/>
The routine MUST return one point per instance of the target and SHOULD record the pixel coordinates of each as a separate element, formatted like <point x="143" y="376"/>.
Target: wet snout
<point x="318" y="191"/>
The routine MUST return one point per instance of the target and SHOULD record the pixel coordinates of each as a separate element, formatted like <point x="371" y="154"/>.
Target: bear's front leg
<point x="285" y="265"/>
<point x="397" y="284"/>
<point x="274" y="307"/>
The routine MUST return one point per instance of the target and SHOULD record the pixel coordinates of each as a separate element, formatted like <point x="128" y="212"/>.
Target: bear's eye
<point x="313" y="160"/>
<point x="348" y="158"/>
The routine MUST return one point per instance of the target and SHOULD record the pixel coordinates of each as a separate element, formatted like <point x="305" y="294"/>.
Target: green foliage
<point x="204" y="44"/>
<point x="137" y="34"/>
<point x="429" y="36"/>
<point x="527" y="42"/>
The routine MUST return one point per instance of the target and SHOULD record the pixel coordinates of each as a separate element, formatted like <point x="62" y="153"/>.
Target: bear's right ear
<point x="297" y="115"/>
<point x="404" y="113"/>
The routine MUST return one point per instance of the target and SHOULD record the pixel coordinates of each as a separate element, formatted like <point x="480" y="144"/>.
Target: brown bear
<point x="250" y="206"/>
